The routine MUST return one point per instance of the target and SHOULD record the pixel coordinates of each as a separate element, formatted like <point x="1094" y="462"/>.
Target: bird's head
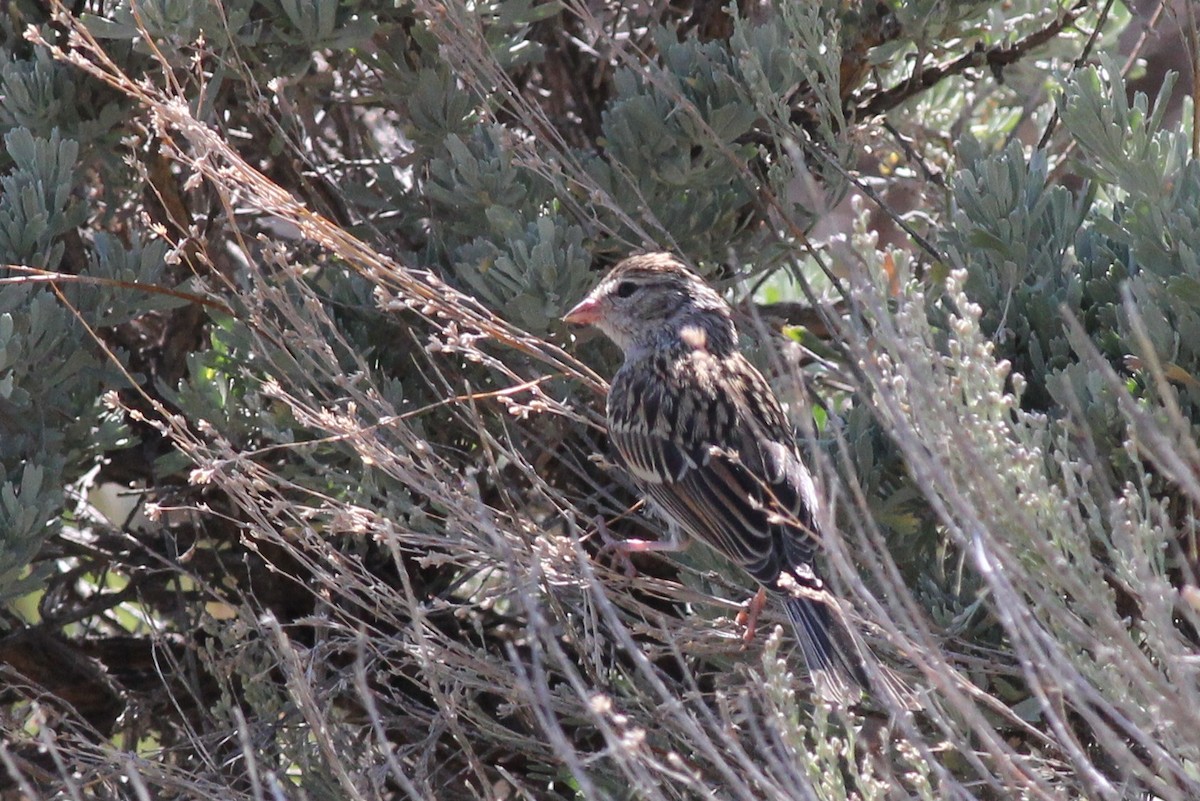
<point x="652" y="297"/>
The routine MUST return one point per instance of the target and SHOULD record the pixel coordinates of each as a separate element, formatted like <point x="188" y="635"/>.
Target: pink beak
<point x="586" y="312"/>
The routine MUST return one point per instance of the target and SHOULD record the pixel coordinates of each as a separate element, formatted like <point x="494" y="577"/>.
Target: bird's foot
<point x="618" y="549"/>
<point x="748" y="617"/>
<point x="622" y="548"/>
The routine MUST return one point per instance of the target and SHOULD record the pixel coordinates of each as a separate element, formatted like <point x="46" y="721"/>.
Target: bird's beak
<point x="586" y="312"/>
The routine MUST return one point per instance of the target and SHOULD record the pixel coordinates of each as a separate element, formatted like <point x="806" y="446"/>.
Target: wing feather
<point x="721" y="463"/>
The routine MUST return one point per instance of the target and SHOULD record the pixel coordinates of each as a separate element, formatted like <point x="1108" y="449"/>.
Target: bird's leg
<point x="675" y="541"/>
<point x="748" y="617"/>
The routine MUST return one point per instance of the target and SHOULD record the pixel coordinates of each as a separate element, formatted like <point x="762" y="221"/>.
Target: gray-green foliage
<point x="54" y="424"/>
<point x="672" y="144"/>
<point x="38" y="94"/>
<point x="533" y="274"/>
<point x="37" y="210"/>
<point x="378" y="503"/>
<point x="677" y="139"/>
<point x="1014" y="233"/>
<point x="36" y="357"/>
<point x="1035" y="250"/>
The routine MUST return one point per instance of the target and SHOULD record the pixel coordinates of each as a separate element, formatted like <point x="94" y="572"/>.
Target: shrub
<point x="302" y="472"/>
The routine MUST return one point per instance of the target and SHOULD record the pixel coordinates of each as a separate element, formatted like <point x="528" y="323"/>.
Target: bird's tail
<point x="836" y="656"/>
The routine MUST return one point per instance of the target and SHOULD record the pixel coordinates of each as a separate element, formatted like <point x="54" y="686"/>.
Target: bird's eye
<point x="626" y="288"/>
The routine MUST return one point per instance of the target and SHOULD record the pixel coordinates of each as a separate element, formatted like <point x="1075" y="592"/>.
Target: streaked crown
<point x="651" y="296"/>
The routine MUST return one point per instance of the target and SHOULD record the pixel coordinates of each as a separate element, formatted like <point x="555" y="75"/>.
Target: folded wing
<point x="722" y="464"/>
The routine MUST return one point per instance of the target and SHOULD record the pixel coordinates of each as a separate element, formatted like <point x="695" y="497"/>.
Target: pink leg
<point x="674" y="542"/>
<point x="748" y="617"/>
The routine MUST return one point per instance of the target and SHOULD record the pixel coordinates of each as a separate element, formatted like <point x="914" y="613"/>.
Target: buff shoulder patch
<point x="694" y="337"/>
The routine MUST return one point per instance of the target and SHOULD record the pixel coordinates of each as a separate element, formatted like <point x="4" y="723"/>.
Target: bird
<point x="708" y="443"/>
